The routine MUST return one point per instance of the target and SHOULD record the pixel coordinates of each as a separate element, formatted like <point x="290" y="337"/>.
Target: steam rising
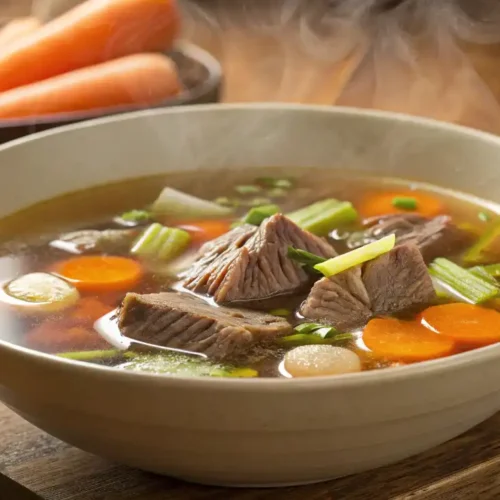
<point x="414" y="56"/>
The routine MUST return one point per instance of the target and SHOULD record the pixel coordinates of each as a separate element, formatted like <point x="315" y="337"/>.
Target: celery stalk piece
<point x="92" y="355"/>
<point x="303" y="257"/>
<point x="485" y="249"/>
<point x="470" y="286"/>
<point x="323" y="216"/>
<point x="160" y="242"/>
<point x="177" y="204"/>
<point x="356" y="257"/>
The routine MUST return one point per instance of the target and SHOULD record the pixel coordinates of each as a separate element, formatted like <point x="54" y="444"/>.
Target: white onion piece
<point x="318" y="360"/>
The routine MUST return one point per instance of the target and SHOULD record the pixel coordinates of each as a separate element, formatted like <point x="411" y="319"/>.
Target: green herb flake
<point x="273" y="182"/>
<point x="247" y="189"/>
<point x="283" y="313"/>
<point x="405" y="203"/>
<point x="484" y="216"/>
<point x="136" y="216"/>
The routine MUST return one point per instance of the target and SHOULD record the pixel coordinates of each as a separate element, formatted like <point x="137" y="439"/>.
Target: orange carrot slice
<point x="408" y="341"/>
<point x="93" y="32"/>
<point x="138" y="80"/>
<point x="466" y="324"/>
<point x="202" y="231"/>
<point x="94" y="273"/>
<point x="375" y="204"/>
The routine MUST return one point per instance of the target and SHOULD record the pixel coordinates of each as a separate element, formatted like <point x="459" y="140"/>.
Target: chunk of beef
<point x="186" y="322"/>
<point x="252" y="264"/>
<point x="398" y="281"/>
<point x="392" y="283"/>
<point x="435" y="237"/>
<point x="341" y="301"/>
<point x="115" y="241"/>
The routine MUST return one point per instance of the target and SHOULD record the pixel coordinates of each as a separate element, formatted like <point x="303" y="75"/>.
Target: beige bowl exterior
<point x="250" y="432"/>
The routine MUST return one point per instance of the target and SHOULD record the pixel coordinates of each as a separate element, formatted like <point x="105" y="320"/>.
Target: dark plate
<point x="200" y="73"/>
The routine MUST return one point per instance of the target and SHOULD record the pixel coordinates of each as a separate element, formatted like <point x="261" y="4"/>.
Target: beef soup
<point x="270" y="272"/>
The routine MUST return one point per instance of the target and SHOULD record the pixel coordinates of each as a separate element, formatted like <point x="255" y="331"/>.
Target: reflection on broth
<point x="267" y="272"/>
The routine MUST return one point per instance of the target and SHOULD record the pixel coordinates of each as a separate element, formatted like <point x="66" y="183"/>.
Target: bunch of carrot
<point x="103" y="53"/>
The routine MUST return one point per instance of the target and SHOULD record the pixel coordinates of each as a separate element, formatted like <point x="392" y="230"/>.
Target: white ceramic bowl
<point x="250" y="432"/>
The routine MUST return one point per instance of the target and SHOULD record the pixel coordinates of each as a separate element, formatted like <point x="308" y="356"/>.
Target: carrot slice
<point x="466" y="324"/>
<point x="375" y="204"/>
<point x="94" y="273"/>
<point x="206" y="230"/>
<point x="408" y="341"/>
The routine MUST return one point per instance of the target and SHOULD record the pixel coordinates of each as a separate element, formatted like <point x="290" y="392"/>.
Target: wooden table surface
<point x="324" y="57"/>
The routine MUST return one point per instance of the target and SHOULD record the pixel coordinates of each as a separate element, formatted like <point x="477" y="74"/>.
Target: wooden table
<point x="264" y="59"/>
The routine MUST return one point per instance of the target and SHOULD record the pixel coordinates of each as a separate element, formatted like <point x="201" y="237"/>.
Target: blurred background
<point x="425" y="57"/>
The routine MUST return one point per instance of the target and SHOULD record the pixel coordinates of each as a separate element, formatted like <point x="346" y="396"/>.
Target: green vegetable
<point x="404" y="202"/>
<point x="280" y="312"/>
<point x="277" y="192"/>
<point x="318" y="329"/>
<point x="136" y="216"/>
<point x="92" y="355"/>
<point x="257" y="215"/>
<point x="179" y="205"/>
<point x="481" y="272"/>
<point x="486" y="249"/>
<point x="309" y="338"/>
<point x="225" y="201"/>
<point x="492" y="270"/>
<point x="255" y="202"/>
<point x="250" y="189"/>
<point x="303" y="257"/>
<point x="356" y="257"/>
<point x="323" y="216"/>
<point x="160" y="242"/>
<point x="471" y="287"/>
<point x="484" y="216"/>
<point x="272" y="182"/>
<point x="180" y="365"/>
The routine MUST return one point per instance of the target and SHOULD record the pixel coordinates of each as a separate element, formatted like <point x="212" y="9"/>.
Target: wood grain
<point x="265" y="59"/>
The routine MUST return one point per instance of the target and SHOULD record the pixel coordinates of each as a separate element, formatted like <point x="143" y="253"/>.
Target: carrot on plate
<point x="206" y="230"/>
<point x="379" y="203"/>
<point x="408" y="341"/>
<point x="466" y="324"/>
<point x="138" y="80"/>
<point x="18" y="28"/>
<point x="93" y="32"/>
<point x="95" y="273"/>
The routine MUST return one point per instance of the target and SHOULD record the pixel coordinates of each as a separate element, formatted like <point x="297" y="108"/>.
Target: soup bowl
<point x="259" y="432"/>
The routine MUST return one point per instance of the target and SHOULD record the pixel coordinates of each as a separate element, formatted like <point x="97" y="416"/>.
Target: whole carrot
<point x="142" y="79"/>
<point x="93" y="32"/>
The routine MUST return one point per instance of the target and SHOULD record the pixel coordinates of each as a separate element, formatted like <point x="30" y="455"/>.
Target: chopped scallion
<point x="226" y="202"/>
<point x="323" y="331"/>
<point x="160" y="242"/>
<point x="471" y="287"/>
<point x="356" y="257"/>
<point x="493" y="270"/>
<point x="484" y="216"/>
<point x="298" y="339"/>
<point x="247" y="189"/>
<point x="323" y="216"/>
<point x="257" y="215"/>
<point x="481" y="272"/>
<point x="404" y="202"/>
<point x="280" y="312"/>
<point x="486" y="249"/>
<point x="136" y="216"/>
<point x="303" y="257"/>
<point x="272" y="182"/>
<point x="92" y="355"/>
<point x="277" y="192"/>
<point x="255" y="202"/>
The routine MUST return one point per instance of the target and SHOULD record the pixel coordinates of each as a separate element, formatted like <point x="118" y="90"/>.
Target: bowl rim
<point x="190" y="50"/>
<point x="369" y="377"/>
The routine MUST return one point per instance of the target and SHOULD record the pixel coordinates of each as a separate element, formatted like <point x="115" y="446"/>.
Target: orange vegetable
<point x="89" y="310"/>
<point x="95" y="273"/>
<point x="466" y="324"/>
<point x="17" y="29"/>
<point x="379" y="203"/>
<point x="202" y="231"/>
<point x="408" y="341"/>
<point x="144" y="79"/>
<point x="93" y="32"/>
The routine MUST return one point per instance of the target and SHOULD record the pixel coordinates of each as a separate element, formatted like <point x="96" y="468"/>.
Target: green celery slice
<point x="323" y="216"/>
<point x="257" y="215"/>
<point x="471" y="287"/>
<point x="160" y="242"/>
<point x="304" y="257"/>
<point x="485" y="249"/>
<point x="356" y="257"/>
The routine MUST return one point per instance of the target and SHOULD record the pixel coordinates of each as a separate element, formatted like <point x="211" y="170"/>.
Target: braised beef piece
<point x="251" y="263"/>
<point x="341" y="301"/>
<point x="392" y="283"/>
<point x="398" y="281"/>
<point x="435" y="237"/>
<point x="187" y="322"/>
